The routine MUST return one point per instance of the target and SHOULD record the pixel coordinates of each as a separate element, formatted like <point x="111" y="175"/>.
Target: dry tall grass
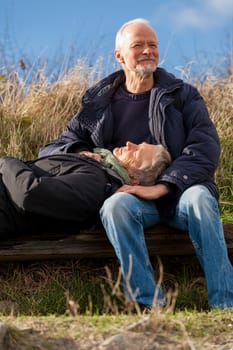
<point x="33" y="113"/>
<point x="218" y="96"/>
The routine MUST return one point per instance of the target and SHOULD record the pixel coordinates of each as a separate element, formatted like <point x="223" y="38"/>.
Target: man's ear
<point x="119" y="56"/>
<point x="134" y="181"/>
<point x="133" y="178"/>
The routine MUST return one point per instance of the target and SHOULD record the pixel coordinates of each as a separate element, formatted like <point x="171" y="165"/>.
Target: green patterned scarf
<point x="108" y="159"/>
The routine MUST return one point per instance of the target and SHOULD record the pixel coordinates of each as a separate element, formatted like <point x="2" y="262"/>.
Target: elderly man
<point x="71" y="187"/>
<point x="145" y="103"/>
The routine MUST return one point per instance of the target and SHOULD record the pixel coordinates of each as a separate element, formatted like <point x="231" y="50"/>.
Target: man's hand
<point x="91" y="155"/>
<point x="145" y="192"/>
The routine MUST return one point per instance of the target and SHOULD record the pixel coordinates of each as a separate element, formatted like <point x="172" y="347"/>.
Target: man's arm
<point x="199" y="155"/>
<point x="146" y="192"/>
<point x="73" y="139"/>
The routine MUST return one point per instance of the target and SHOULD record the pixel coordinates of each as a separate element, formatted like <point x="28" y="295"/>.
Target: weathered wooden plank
<point x="161" y="240"/>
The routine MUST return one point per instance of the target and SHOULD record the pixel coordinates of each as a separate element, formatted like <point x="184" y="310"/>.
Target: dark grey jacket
<point x="68" y="187"/>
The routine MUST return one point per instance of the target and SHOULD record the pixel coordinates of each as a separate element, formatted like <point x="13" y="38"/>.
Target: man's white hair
<point x="120" y="33"/>
<point x="149" y="172"/>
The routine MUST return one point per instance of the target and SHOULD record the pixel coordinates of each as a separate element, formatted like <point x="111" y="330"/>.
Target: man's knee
<point x="197" y="194"/>
<point x="199" y="200"/>
<point x="117" y="202"/>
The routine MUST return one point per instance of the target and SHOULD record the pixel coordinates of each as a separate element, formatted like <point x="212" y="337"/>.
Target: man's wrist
<point x="171" y="187"/>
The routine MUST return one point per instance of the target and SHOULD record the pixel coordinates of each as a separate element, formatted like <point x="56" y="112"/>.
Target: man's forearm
<point x="146" y="192"/>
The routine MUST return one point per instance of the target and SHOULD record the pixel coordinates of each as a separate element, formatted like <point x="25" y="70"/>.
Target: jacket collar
<point x="100" y="95"/>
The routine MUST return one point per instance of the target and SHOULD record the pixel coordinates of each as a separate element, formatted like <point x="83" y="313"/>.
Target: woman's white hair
<point x="120" y="33"/>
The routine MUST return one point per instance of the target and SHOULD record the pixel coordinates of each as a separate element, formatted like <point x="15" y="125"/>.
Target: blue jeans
<point x="125" y="217"/>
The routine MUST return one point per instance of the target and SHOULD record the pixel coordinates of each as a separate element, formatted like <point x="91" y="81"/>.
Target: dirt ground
<point x="157" y="330"/>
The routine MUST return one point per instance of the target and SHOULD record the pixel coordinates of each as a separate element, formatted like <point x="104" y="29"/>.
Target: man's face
<point x="139" y="51"/>
<point x="135" y="156"/>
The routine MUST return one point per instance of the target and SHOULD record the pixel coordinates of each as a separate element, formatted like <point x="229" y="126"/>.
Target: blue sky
<point x="189" y="32"/>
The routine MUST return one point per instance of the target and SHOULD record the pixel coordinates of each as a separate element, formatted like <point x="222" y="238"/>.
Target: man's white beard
<point x="145" y="71"/>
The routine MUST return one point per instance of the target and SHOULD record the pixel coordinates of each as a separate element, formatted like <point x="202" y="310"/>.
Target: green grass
<point x="84" y="287"/>
<point x="158" y="330"/>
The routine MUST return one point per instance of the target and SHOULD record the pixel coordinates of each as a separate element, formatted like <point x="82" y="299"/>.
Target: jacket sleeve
<point x="199" y="156"/>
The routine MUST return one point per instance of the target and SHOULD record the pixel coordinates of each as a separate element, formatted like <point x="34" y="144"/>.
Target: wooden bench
<point x="161" y="240"/>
